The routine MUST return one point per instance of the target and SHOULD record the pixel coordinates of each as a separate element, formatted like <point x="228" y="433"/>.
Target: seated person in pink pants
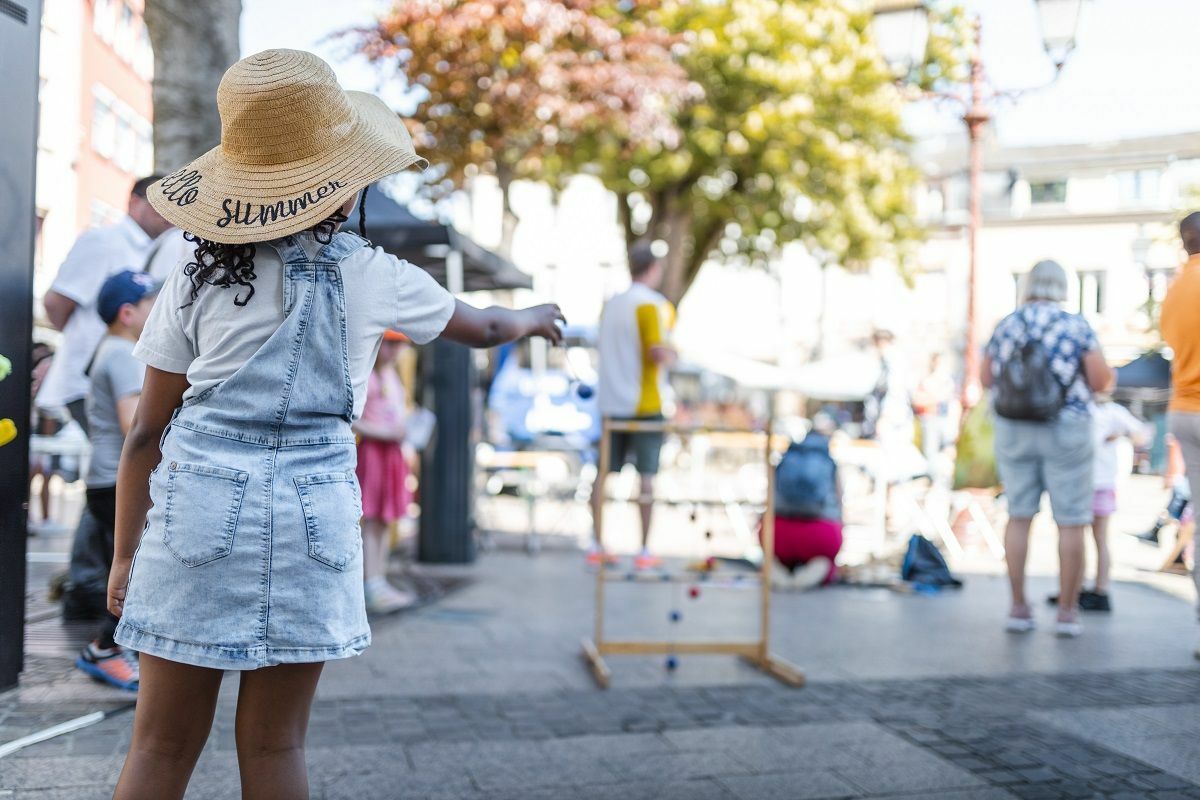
<point x="808" y="515"/>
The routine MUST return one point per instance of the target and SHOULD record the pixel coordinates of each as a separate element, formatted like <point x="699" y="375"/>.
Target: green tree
<point x="798" y="137"/>
<point x="725" y="128"/>
<point x="511" y="87"/>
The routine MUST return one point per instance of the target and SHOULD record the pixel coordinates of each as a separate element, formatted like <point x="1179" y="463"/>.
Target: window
<point x="1139" y="187"/>
<point x="121" y="135"/>
<point x="104" y="123"/>
<point x="1091" y="292"/>
<point x="145" y="149"/>
<point x="1047" y="192"/>
<point x="104" y="20"/>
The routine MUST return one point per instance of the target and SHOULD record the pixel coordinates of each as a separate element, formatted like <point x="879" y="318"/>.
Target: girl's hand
<point x="118" y="580"/>
<point x="546" y="321"/>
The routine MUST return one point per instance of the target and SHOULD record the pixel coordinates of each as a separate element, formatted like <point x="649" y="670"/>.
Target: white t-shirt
<point x="1112" y="421"/>
<point x="211" y="338"/>
<point x="95" y="256"/>
<point x="630" y="383"/>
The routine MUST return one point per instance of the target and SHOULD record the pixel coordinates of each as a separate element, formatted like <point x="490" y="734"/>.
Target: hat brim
<point x="231" y="202"/>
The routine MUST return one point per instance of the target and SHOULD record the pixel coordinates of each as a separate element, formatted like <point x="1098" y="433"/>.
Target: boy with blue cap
<point x="123" y="304"/>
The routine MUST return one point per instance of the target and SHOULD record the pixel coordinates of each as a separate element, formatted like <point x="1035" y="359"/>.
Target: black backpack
<point x="1027" y="388"/>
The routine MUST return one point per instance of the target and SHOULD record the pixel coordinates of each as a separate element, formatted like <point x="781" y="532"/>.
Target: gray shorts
<point x="642" y="449"/>
<point x="1051" y="457"/>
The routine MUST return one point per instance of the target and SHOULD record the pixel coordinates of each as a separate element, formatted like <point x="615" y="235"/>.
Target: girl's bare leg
<point x="374" y="535"/>
<point x="272" y="722"/>
<point x="175" y="707"/>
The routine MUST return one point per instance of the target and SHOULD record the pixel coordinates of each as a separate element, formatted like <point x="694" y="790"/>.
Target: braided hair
<point x="226" y="265"/>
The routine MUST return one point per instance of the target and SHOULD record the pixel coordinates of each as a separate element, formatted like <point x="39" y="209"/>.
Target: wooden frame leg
<point x="779" y="669"/>
<point x="600" y="670"/>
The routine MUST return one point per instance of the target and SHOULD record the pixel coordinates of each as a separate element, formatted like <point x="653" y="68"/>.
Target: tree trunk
<point x="194" y="43"/>
<point x="510" y="220"/>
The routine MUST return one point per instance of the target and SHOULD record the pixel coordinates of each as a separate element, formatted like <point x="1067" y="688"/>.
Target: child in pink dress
<point x="383" y="473"/>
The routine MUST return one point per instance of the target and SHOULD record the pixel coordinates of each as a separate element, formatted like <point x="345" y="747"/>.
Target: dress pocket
<point x="332" y="508"/>
<point x="201" y="511"/>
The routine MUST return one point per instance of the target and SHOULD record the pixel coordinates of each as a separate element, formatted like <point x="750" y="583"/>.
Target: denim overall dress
<point x="251" y="554"/>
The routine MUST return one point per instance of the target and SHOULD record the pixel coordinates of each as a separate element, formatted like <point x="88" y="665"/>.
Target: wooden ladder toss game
<point x="756" y="652"/>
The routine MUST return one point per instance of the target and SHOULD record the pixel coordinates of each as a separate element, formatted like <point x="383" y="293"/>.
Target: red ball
<point x="694" y="592"/>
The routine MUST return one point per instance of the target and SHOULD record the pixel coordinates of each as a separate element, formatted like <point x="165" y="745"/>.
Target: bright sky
<point x="1130" y="75"/>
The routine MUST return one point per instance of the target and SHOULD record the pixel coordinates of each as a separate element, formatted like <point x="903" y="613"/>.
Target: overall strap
<point x="344" y="243"/>
<point x="290" y="250"/>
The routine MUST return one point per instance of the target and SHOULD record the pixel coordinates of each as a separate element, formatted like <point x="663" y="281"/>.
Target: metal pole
<point x="975" y="118"/>
<point x="20" y="25"/>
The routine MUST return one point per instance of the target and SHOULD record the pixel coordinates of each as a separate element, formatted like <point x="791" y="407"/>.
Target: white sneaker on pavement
<point x="383" y="598"/>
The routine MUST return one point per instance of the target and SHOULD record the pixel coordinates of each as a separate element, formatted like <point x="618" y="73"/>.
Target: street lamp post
<point x="901" y="29"/>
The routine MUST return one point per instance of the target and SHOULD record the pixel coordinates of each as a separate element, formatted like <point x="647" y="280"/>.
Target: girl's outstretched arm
<point x="488" y="327"/>
<point x="162" y="393"/>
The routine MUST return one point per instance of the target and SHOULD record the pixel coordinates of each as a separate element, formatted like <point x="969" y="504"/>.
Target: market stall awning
<point x="426" y="244"/>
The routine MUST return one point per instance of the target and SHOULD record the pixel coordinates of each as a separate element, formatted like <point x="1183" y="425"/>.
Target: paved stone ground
<point x="962" y="739"/>
<point x="484" y="696"/>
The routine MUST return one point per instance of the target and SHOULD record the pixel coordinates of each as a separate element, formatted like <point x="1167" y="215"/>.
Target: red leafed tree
<point x="522" y="88"/>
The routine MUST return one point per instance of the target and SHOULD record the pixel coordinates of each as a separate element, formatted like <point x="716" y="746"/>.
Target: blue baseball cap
<point x="121" y="288"/>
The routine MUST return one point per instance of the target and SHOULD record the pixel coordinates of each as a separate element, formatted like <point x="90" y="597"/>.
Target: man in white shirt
<point x="635" y="353"/>
<point x="71" y="300"/>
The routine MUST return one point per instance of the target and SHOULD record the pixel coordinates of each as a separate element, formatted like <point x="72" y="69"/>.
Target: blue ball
<point x="585" y="392"/>
<point x="672" y="662"/>
<point x="676" y="616"/>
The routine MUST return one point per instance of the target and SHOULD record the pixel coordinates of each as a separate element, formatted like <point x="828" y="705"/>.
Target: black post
<point x="447" y="533"/>
<point x="20" y="31"/>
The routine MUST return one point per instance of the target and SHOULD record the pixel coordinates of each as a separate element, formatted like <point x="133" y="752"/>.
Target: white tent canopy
<point x="845" y="377"/>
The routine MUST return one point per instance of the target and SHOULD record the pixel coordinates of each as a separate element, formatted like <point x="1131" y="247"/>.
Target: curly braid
<point x="226" y="265"/>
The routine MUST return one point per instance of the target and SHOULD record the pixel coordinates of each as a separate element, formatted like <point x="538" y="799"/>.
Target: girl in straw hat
<point x="237" y="539"/>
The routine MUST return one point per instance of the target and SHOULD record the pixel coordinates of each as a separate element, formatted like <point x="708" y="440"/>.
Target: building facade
<point x="94" y="135"/>
<point x="1106" y="211"/>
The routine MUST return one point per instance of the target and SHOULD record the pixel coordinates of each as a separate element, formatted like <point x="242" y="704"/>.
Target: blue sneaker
<point x="116" y="667"/>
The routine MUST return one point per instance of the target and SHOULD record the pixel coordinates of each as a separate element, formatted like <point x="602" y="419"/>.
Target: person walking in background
<point x="1181" y="330"/>
<point x="237" y="485"/>
<point x="931" y="403"/>
<point x="383" y="474"/>
<point x="888" y="411"/>
<point x="634" y="350"/>
<point x="1111" y="422"/>
<point x="1043" y="364"/>
<point x="70" y="306"/>
<point x="71" y="300"/>
<point x="124" y="304"/>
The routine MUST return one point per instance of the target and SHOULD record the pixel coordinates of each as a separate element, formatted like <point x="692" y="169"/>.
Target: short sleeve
<point x="423" y="308"/>
<point x="164" y="343"/>
<point x="125" y="375"/>
<point x="1087" y="337"/>
<point x="85" y="269"/>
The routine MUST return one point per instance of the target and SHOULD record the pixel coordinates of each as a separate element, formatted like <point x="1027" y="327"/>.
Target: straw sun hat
<point x="294" y="147"/>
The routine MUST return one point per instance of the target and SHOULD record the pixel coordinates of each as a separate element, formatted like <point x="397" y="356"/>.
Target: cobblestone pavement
<point x="483" y="696"/>
<point x="952" y="738"/>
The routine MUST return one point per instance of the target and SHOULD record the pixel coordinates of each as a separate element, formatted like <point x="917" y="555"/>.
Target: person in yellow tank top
<point x="635" y="354"/>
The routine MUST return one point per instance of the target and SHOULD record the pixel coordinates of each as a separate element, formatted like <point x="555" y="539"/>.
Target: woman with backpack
<point x="1043" y="365"/>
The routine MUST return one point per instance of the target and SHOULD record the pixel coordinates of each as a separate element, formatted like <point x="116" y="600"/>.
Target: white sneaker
<point x="1068" y="628"/>
<point x="1020" y="620"/>
<point x="781" y="578"/>
<point x="383" y="598"/>
<point x="811" y="574"/>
